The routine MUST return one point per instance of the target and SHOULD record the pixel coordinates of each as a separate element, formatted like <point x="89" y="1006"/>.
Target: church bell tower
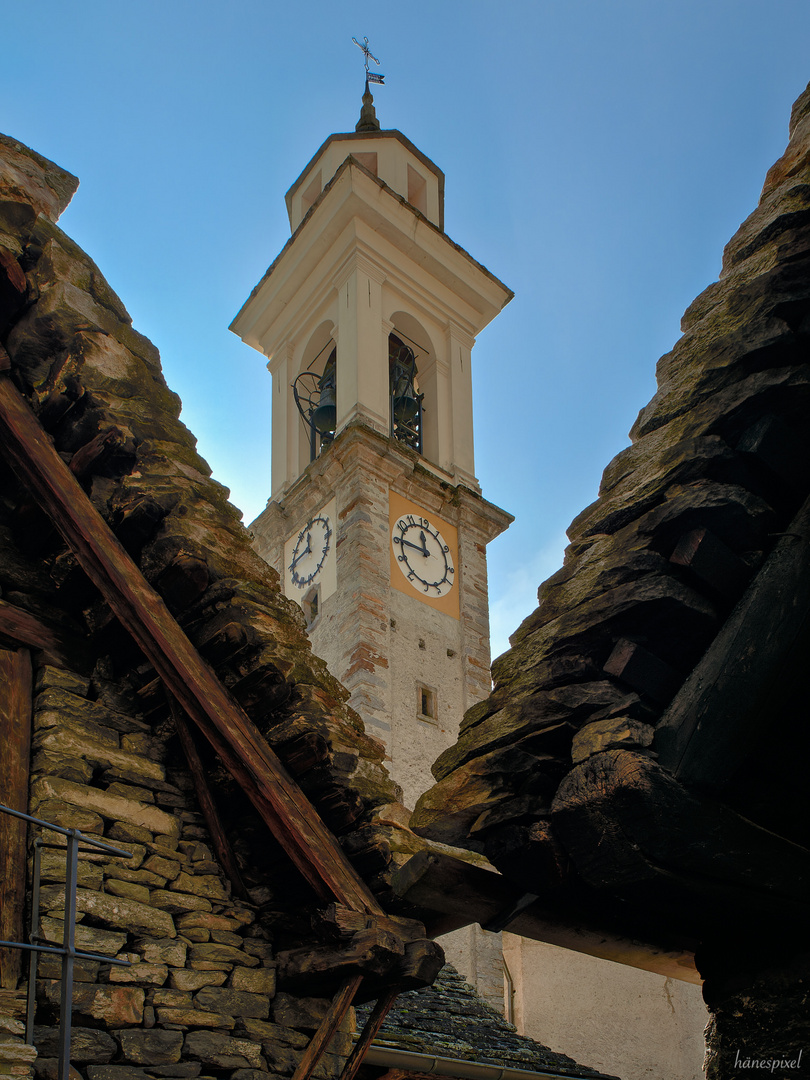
<point x="376" y="522"/>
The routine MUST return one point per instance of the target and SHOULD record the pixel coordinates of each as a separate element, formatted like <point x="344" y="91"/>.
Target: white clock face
<point x="310" y="551"/>
<point x="423" y="555"/>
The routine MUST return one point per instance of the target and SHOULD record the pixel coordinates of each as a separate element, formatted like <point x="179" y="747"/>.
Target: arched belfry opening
<point x="406" y="400"/>
<point x="314" y="391"/>
<point x="412" y="382"/>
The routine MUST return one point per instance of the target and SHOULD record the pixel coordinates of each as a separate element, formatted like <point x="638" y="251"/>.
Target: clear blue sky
<point x="598" y="153"/>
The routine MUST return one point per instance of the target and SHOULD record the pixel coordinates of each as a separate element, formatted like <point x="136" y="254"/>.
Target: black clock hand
<point x="424" y="544"/>
<point x="407" y="543"/>
<point x="306" y="551"/>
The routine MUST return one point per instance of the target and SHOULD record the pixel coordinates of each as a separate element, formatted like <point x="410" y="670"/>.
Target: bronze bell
<point x="324" y="416"/>
<point x="406" y="406"/>
<point x="405" y="401"/>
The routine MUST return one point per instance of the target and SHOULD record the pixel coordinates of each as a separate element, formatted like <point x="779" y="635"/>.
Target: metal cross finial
<point x="369" y="55"/>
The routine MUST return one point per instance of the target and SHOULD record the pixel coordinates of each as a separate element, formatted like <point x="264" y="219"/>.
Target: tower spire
<point x="368" y="114"/>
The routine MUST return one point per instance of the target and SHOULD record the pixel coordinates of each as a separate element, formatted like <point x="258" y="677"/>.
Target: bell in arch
<point x="324" y="415"/>
<point x="405" y="401"/>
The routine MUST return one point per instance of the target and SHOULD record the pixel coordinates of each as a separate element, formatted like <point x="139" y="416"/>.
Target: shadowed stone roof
<point x="450" y="1020"/>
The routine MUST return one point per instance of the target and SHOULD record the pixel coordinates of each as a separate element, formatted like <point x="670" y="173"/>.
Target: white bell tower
<point x="376" y="523"/>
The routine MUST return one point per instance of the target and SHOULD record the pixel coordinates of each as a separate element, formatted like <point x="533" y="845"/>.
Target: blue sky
<point x="598" y="154"/>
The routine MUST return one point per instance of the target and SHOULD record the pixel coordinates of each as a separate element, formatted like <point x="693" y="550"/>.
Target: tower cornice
<point x="357" y="203"/>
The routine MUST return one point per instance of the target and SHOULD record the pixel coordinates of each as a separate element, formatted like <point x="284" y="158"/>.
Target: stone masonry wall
<point x="200" y="992"/>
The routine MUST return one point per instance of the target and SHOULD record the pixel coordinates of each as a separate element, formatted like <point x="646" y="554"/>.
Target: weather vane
<point x="371" y="76"/>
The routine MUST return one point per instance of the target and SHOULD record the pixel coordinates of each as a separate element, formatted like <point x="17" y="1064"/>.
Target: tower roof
<point x="331" y="154"/>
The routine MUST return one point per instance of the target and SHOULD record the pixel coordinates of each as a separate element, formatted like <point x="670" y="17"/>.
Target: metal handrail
<point x="67" y="950"/>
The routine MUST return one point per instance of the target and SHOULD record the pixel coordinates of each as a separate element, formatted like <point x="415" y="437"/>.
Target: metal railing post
<point x="33" y="937"/>
<point x="67" y="950"/>
<point x="69" y="954"/>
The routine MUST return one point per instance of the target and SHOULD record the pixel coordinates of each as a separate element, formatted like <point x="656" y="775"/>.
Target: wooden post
<point x="328" y="1026"/>
<point x="15" y="740"/>
<point x="381" y="1009"/>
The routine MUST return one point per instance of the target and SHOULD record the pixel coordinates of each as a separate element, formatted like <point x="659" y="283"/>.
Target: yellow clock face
<point x="424" y="555"/>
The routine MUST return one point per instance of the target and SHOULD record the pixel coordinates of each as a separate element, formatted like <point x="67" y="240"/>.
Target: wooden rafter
<point x="222" y="846"/>
<point x="327" y="1027"/>
<point x="381" y="1009"/>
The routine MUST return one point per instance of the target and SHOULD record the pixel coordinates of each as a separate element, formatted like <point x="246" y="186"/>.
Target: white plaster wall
<point x="625" y="1022"/>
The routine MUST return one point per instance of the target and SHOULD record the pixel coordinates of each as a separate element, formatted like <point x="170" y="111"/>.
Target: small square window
<point x="426" y="702"/>
<point x="311" y="603"/>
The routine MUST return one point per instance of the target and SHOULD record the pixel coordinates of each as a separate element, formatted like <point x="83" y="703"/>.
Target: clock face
<point x="310" y="551"/>
<point x="422" y="555"/>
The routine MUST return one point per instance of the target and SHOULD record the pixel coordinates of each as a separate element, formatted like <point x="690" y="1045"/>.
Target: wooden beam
<point x="222" y="847"/>
<point x="15" y="759"/>
<point x="712" y="562"/>
<point x="728" y="701"/>
<point x="21" y="626"/>
<point x="458" y="894"/>
<point x="370" y="952"/>
<point x="94" y="453"/>
<point x="281" y="804"/>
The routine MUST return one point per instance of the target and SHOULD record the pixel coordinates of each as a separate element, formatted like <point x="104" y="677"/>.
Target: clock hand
<point x="416" y="547"/>
<point x="306" y="551"/>
<point x="424" y="544"/>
